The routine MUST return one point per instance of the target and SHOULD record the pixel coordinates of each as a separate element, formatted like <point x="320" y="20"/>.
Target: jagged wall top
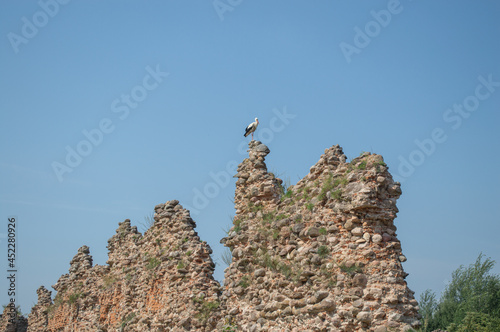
<point x="159" y="279"/>
<point x="255" y="185"/>
<point x="322" y="254"/>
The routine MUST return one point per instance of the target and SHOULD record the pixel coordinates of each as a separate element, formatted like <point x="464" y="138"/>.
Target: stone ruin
<point x="321" y="255"/>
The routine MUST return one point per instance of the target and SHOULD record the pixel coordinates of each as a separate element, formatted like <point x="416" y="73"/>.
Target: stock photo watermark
<point x="454" y="116"/>
<point x="31" y="26"/>
<point x="95" y="136"/>
<point x="223" y="6"/>
<point x="12" y="252"/>
<point x="372" y="29"/>
<point x="221" y="179"/>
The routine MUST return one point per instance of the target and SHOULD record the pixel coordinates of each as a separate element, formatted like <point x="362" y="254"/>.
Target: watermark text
<point x="12" y="266"/>
<point x="221" y="7"/>
<point x="363" y="36"/>
<point x="454" y="117"/>
<point x="122" y="107"/>
<point x="31" y="26"/>
<point x="222" y="178"/>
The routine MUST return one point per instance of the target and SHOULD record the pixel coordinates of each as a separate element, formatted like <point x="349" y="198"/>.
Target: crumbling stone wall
<point x="157" y="282"/>
<point x="10" y="322"/>
<point x="322" y="255"/>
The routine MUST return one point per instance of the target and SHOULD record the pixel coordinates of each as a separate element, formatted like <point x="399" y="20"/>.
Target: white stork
<point x="251" y="128"/>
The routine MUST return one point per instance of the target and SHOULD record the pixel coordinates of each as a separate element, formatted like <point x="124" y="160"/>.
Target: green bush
<point x="181" y="265"/>
<point x="351" y="270"/>
<point x="73" y="297"/>
<point x="477" y="322"/>
<point x="268" y="218"/>
<point x="237" y="225"/>
<point x="330" y="184"/>
<point x="152" y="263"/>
<point x="244" y="282"/>
<point x="337" y="194"/>
<point x="323" y="251"/>
<point x="227" y="256"/>
<point x="470" y="302"/>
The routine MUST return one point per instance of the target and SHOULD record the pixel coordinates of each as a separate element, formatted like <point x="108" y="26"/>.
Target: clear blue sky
<point x="164" y="90"/>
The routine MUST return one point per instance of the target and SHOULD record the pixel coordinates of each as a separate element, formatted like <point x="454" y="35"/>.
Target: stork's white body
<point x="251" y="128"/>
